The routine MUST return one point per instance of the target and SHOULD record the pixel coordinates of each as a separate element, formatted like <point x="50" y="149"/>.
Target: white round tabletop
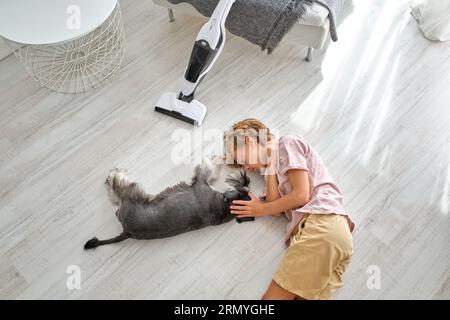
<point x="51" y="21"/>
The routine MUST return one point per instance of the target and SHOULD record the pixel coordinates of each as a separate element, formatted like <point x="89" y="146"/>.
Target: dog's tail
<point x="240" y="181"/>
<point x="94" y="242"/>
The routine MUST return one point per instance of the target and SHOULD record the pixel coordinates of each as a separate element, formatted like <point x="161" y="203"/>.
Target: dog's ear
<point x="240" y="181"/>
<point x="244" y="178"/>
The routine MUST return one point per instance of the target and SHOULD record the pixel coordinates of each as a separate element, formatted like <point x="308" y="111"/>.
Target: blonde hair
<point x="236" y="134"/>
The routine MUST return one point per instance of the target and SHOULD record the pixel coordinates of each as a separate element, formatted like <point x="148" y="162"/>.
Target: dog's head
<point x="239" y="183"/>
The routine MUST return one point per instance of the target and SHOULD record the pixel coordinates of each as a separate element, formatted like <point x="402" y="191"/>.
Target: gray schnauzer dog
<point x="181" y="208"/>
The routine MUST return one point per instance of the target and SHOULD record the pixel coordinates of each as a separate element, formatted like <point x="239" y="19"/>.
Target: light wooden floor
<point x="376" y="105"/>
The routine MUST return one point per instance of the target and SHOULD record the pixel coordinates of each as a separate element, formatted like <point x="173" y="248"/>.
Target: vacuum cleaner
<point x="208" y="45"/>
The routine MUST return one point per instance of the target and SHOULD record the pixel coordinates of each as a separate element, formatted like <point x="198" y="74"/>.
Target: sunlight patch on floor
<point x="445" y="199"/>
<point x="361" y="94"/>
<point x="388" y="32"/>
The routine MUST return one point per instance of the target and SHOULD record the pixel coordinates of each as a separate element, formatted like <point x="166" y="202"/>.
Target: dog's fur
<point x="177" y="209"/>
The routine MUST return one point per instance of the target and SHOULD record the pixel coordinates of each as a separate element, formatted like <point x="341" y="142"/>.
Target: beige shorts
<point x="313" y="265"/>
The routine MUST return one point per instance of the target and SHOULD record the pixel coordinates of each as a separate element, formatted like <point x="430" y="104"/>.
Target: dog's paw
<point x="116" y="174"/>
<point x="110" y="178"/>
<point x="114" y="180"/>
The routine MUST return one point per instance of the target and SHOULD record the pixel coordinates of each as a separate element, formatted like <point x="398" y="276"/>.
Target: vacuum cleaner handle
<point x="212" y="31"/>
<point x="208" y="45"/>
<point x="222" y="9"/>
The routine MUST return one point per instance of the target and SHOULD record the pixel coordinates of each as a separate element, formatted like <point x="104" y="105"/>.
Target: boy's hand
<point x="248" y="208"/>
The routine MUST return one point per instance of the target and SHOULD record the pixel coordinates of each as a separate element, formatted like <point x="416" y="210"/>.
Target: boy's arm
<point x="272" y="193"/>
<point x="298" y="197"/>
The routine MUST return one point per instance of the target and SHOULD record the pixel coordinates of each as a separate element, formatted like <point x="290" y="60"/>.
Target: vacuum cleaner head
<point x="192" y="112"/>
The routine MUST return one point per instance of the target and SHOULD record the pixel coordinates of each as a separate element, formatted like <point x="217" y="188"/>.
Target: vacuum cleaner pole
<point x="207" y="47"/>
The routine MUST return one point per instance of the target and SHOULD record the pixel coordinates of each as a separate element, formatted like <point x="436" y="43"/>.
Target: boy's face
<point x="248" y="155"/>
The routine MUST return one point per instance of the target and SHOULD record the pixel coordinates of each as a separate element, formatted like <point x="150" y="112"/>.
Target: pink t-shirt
<point x="325" y="196"/>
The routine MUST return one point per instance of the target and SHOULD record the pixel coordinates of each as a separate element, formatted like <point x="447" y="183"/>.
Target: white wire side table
<point x="84" y="61"/>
